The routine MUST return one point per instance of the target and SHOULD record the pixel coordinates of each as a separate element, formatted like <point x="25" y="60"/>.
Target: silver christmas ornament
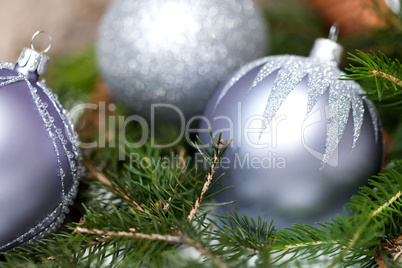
<point x="176" y="52"/>
<point x="303" y="140"/>
<point x="39" y="155"/>
<point x="394" y="5"/>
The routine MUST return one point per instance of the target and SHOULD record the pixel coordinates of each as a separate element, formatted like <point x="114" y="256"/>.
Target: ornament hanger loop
<point x="334" y="32"/>
<point x="50" y="41"/>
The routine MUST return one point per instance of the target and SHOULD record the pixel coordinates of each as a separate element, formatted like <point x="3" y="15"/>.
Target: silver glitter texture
<point x="286" y="173"/>
<point x="176" y="51"/>
<point x="323" y="74"/>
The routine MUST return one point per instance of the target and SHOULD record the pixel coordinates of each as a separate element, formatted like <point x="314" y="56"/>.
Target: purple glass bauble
<point x="39" y="156"/>
<point x="303" y="140"/>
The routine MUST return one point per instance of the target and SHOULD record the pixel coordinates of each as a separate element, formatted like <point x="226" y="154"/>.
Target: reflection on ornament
<point x="175" y="22"/>
<point x="175" y="52"/>
<point x="39" y="156"/>
<point x="303" y="140"/>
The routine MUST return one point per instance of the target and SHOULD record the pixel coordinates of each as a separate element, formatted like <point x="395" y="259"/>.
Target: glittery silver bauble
<point x="38" y="154"/>
<point x="303" y="140"/>
<point x="176" y="52"/>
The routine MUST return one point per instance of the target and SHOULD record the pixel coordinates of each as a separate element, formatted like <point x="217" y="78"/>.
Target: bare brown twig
<point x="386" y="76"/>
<point x="178" y="239"/>
<point x="207" y="183"/>
<point x="380" y="262"/>
<point x="131" y="234"/>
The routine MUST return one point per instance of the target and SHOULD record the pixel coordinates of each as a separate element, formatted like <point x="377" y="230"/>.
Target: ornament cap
<point x="32" y="60"/>
<point x="327" y="50"/>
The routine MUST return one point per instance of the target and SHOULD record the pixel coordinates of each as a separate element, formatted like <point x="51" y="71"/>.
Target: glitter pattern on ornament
<point x="300" y="136"/>
<point x="176" y="52"/>
<point x="39" y="156"/>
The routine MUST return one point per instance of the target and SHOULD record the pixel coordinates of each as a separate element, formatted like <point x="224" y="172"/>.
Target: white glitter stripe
<point x="374" y="116"/>
<point x="320" y="77"/>
<point x="285" y="82"/>
<point x="69" y="129"/>
<point x="344" y="96"/>
<point x="358" y="113"/>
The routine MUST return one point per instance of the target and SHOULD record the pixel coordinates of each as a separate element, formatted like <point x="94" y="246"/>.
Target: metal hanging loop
<point x="50" y="41"/>
<point x="333" y="32"/>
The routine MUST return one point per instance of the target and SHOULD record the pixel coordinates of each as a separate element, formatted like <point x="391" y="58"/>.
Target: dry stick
<point x="251" y="250"/>
<point x="131" y="234"/>
<point x="182" y="239"/>
<point x="386" y="76"/>
<point x="102" y="178"/>
<point x="203" y="250"/>
<point x="315" y="243"/>
<point x="206" y="184"/>
<point x="380" y="262"/>
<point x="394" y="247"/>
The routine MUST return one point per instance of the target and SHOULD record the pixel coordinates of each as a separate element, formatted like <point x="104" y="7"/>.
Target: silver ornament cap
<point x="327" y="49"/>
<point x="32" y="60"/>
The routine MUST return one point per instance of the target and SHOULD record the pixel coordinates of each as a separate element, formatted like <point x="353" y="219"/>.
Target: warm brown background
<point x="72" y="23"/>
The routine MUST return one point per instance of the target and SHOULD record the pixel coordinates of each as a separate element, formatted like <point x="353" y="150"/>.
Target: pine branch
<point x="207" y="183"/>
<point x="386" y="76"/>
<point x="348" y="236"/>
<point x="177" y="230"/>
<point x="132" y="234"/>
<point x="348" y="248"/>
<point x="386" y="205"/>
<point x="381" y="77"/>
<point x="308" y="244"/>
<point x="178" y="239"/>
<point x="182" y="165"/>
<point x="102" y="178"/>
<point x="171" y="216"/>
<point x="240" y="235"/>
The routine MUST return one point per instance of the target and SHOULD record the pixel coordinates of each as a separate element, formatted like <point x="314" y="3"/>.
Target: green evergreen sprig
<point x="351" y="239"/>
<point x="142" y="214"/>
<point x="142" y="217"/>
<point x="382" y="77"/>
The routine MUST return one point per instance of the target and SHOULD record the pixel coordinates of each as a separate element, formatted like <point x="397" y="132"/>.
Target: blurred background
<point x="72" y="24"/>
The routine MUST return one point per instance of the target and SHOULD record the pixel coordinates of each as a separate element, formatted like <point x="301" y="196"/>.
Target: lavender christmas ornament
<point x="39" y="156"/>
<point x="303" y="140"/>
